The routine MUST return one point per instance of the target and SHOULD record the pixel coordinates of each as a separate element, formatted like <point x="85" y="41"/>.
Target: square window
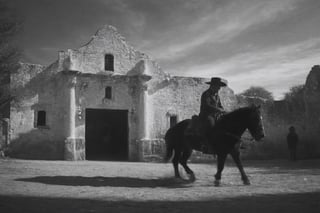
<point x="41" y="118"/>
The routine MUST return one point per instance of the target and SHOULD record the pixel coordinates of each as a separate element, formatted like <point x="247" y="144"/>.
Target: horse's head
<point x="255" y="125"/>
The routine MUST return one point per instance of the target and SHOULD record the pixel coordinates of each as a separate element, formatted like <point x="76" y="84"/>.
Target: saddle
<point x="196" y="132"/>
<point x="196" y="127"/>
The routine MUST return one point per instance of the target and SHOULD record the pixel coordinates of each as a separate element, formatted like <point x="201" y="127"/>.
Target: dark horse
<point x="224" y="138"/>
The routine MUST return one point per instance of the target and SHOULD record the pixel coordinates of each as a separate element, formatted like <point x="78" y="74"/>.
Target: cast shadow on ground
<point x="100" y="181"/>
<point x="284" y="203"/>
<point x="304" y="167"/>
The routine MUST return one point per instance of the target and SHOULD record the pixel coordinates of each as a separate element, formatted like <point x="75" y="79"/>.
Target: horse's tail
<point x="169" y="146"/>
<point x="174" y="138"/>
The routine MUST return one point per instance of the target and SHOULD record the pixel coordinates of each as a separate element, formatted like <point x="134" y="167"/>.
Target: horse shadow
<point x="100" y="181"/>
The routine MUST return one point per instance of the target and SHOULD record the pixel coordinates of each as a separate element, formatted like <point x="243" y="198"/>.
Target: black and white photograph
<point x="159" y="106"/>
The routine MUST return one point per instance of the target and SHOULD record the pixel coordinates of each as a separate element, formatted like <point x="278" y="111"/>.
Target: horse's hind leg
<point x="220" y="166"/>
<point x="183" y="161"/>
<point x="175" y="162"/>
<point x="235" y="153"/>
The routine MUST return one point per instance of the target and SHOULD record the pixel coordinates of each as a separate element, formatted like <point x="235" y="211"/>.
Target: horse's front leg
<point x="235" y="153"/>
<point x="220" y="166"/>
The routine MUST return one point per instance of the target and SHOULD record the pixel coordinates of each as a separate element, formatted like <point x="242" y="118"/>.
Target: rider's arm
<point x="214" y="104"/>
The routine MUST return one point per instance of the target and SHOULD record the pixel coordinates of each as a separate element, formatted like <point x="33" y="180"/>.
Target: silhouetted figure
<point x="292" y="140"/>
<point x="211" y="108"/>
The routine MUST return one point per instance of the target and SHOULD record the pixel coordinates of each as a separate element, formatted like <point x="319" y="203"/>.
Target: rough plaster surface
<point x="138" y="85"/>
<point x="180" y="96"/>
<point x="312" y="94"/>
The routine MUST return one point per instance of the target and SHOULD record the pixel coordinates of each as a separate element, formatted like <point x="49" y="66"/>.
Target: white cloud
<point x="222" y="25"/>
<point x="275" y="69"/>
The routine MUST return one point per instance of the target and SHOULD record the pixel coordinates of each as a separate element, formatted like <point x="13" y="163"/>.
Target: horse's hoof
<point x="217" y="183"/>
<point x="178" y="180"/>
<point x="192" y="177"/>
<point x="246" y="182"/>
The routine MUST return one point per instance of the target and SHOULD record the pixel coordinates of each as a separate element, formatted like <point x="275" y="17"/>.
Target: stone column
<point x="143" y="110"/>
<point x="71" y="103"/>
<point x="139" y="78"/>
<point x="144" y="77"/>
<point x="69" y="148"/>
<point x="74" y="147"/>
<point x="144" y="121"/>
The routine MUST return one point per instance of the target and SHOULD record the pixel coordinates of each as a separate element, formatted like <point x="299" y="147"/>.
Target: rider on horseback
<point x="211" y="109"/>
<point x="210" y="112"/>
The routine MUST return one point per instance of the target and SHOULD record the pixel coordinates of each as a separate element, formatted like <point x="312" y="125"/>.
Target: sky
<point x="271" y="44"/>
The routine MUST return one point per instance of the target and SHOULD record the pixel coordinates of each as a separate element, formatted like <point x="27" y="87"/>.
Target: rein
<point x="227" y="133"/>
<point x="232" y="135"/>
<point x="237" y="137"/>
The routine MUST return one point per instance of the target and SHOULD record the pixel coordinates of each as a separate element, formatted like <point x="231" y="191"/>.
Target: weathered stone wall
<point x="35" y="89"/>
<point x="312" y="97"/>
<point x="177" y="96"/>
<point x="139" y="86"/>
<point x="90" y="57"/>
<point x="278" y="116"/>
<point x="181" y="97"/>
<point x="50" y="93"/>
<point x="90" y="93"/>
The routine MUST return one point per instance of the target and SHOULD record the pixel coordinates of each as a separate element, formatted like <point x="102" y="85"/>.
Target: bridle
<point x="239" y="138"/>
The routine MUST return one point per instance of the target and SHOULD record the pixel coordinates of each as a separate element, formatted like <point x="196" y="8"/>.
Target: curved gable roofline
<point x="106" y="29"/>
<point x="107" y="38"/>
<point x="102" y="32"/>
<point x="109" y="32"/>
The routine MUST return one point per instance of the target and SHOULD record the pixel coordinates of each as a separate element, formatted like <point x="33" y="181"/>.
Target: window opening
<point x="108" y="93"/>
<point x="173" y="120"/>
<point x="41" y="118"/>
<point x="108" y="62"/>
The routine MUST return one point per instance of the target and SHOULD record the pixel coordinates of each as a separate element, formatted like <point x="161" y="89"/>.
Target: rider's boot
<point x="205" y="147"/>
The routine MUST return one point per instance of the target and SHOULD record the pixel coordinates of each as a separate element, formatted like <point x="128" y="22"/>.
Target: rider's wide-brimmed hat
<point x="217" y="81"/>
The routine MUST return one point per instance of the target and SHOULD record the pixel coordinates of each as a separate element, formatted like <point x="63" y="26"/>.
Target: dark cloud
<point x="48" y="21"/>
<point x="183" y="35"/>
<point x="63" y="24"/>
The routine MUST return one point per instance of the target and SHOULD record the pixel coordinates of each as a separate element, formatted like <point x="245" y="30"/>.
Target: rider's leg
<point x="210" y="122"/>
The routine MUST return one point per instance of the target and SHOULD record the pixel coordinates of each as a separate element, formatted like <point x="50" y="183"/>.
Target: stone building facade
<point x="302" y="110"/>
<point x="103" y="101"/>
<point x="312" y="96"/>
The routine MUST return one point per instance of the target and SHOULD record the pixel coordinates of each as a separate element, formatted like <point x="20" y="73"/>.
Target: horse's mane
<point x="241" y="110"/>
<point x="237" y="114"/>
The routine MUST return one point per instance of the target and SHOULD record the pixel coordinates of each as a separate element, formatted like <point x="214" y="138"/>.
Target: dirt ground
<point x="96" y="186"/>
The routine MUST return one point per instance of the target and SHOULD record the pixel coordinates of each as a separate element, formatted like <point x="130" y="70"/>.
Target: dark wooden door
<point x="106" y="134"/>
